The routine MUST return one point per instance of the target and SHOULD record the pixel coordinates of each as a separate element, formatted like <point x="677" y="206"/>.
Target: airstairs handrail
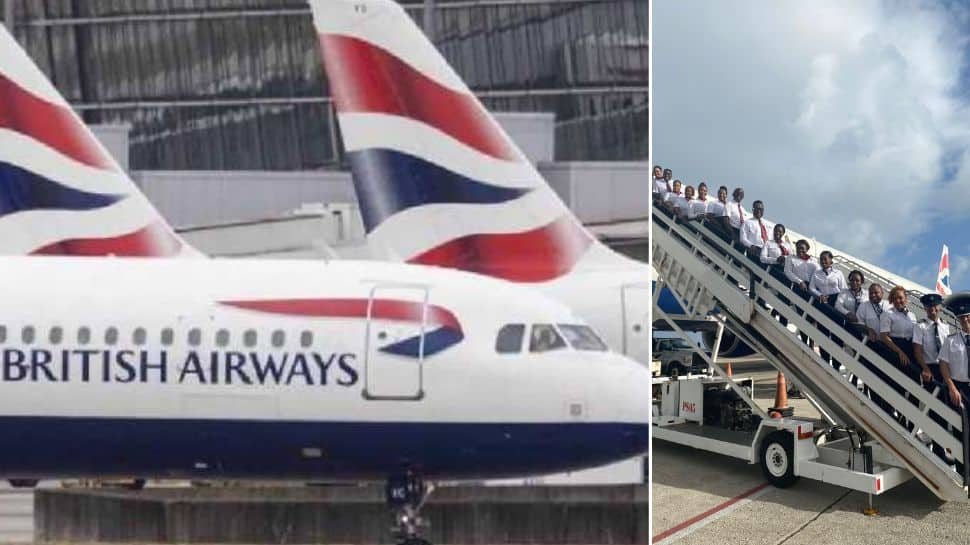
<point x="696" y="239"/>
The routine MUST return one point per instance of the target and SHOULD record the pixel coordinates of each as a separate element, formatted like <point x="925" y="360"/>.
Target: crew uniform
<point x="697" y="208"/>
<point x="869" y="315"/>
<point x="850" y="301"/>
<point x="660" y="187"/>
<point x="953" y="354"/>
<point x="756" y="232"/>
<point x="800" y="270"/>
<point x="735" y="213"/>
<point x="930" y="336"/>
<point x="828" y="282"/>
<point x="899" y="324"/>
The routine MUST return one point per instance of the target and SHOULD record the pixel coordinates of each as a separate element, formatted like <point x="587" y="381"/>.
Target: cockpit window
<point x="582" y="337"/>
<point x="545" y="338"/>
<point x="509" y="340"/>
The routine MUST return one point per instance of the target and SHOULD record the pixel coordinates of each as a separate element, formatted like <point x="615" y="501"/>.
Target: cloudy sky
<point x="851" y="120"/>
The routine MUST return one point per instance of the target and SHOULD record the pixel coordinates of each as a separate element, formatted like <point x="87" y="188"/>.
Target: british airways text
<point x="204" y="368"/>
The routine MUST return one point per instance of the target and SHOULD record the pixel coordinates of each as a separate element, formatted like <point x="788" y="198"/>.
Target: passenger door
<point x="636" y="333"/>
<point x="394" y="343"/>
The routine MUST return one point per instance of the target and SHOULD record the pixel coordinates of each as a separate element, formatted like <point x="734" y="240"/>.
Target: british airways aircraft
<point x="440" y="183"/>
<point x="196" y="368"/>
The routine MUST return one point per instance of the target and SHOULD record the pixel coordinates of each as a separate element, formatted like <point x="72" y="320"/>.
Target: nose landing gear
<point x="406" y="495"/>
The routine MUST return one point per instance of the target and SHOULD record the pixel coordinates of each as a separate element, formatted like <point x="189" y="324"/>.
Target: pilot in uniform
<point x="756" y="230"/>
<point x="953" y="358"/>
<point x="928" y="336"/>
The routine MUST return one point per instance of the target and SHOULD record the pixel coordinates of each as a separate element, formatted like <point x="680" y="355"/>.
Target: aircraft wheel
<point x="777" y="459"/>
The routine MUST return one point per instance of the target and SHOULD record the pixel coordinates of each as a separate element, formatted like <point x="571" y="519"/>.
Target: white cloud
<point x="838" y="114"/>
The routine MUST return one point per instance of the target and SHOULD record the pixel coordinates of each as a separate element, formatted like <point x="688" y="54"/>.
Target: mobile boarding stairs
<point x="872" y="451"/>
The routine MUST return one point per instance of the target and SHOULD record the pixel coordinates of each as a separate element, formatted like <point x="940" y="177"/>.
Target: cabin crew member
<point x="928" y="337"/>
<point x="869" y="315"/>
<point x="896" y="330"/>
<point x="674" y="193"/>
<point x="736" y="213"/>
<point x="717" y="214"/>
<point x="682" y="204"/>
<point x="800" y="268"/>
<point x="660" y="187"/>
<point x="850" y="300"/>
<point x="953" y="360"/>
<point x="826" y="284"/>
<point x="776" y="251"/>
<point x="698" y="207"/>
<point x="754" y="231"/>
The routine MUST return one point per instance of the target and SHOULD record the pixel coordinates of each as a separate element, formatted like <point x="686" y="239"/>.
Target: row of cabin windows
<point x="139" y="336"/>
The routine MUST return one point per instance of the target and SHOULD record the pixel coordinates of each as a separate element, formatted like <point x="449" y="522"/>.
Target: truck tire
<point x="676" y="369"/>
<point x="778" y="459"/>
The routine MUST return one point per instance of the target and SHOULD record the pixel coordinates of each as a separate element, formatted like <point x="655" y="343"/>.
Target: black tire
<point x="777" y="458"/>
<point x="676" y="369"/>
<point x="23" y="483"/>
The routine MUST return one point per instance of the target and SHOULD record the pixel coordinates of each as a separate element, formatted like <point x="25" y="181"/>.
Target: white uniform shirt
<point x="716" y="209"/>
<point x="848" y="301"/>
<point x="897" y="323"/>
<point x="680" y="204"/>
<point x="923" y="336"/>
<point x="954" y="353"/>
<point x="697" y="208"/>
<point x="751" y="232"/>
<point x="771" y="251"/>
<point x="870" y="314"/>
<point x="660" y="186"/>
<point x="800" y="270"/>
<point x="736" y="213"/>
<point x="826" y="283"/>
<point x="670" y="196"/>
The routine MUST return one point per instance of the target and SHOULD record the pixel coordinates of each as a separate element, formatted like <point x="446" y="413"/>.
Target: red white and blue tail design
<point x="943" y="276"/>
<point x="61" y="193"/>
<point x="438" y="180"/>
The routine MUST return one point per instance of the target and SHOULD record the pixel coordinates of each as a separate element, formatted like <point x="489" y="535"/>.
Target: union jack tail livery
<point x="438" y="180"/>
<point x="61" y="192"/>
<point x="943" y="277"/>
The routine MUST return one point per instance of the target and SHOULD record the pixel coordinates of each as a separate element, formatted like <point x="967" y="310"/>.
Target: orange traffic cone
<point x="728" y="370"/>
<point x="781" y="397"/>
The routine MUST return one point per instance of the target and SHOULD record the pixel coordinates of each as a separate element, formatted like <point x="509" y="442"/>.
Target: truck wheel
<point x="676" y="369"/>
<point x="778" y="459"/>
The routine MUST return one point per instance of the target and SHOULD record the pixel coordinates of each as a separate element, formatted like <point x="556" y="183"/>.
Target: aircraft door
<point x="636" y="300"/>
<point x="394" y="345"/>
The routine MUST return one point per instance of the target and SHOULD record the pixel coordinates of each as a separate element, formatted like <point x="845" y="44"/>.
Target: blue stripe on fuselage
<point x="434" y="342"/>
<point x="21" y="190"/>
<point x="388" y="182"/>
<point x="61" y="447"/>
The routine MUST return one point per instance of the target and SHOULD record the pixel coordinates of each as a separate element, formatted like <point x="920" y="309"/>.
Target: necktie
<point x="966" y="340"/>
<point x="764" y="232"/>
<point x="784" y="251"/>
<point x="936" y="336"/>
<point x="877" y="308"/>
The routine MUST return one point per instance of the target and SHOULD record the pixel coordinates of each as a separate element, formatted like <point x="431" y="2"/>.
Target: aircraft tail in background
<point x="61" y="192"/>
<point x="943" y="276"/>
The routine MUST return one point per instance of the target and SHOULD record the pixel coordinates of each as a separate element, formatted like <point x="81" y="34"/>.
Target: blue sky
<point x="851" y="120"/>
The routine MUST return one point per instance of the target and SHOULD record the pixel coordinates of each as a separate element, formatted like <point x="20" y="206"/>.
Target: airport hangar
<point x="220" y="111"/>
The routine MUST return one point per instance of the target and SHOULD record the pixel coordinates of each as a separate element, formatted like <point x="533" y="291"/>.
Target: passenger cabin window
<point x="56" y="335"/>
<point x="195" y="336"/>
<point x="278" y="338"/>
<point x="545" y="338"/>
<point x="83" y="335"/>
<point x="509" y="340"/>
<point x="27" y="334"/>
<point x="222" y="337"/>
<point x="139" y="336"/>
<point x="582" y="337"/>
<point x="306" y="339"/>
<point x="111" y="336"/>
<point x="249" y="338"/>
<point x="168" y="336"/>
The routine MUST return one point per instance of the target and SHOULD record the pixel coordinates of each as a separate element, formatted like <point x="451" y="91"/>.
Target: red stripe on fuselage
<point x="385" y="309"/>
<point x="50" y="124"/>
<point x="367" y="79"/>
<point x="539" y="255"/>
<point x="151" y="241"/>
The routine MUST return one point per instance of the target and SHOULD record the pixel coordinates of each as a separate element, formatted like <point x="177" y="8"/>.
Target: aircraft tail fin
<point x="438" y="180"/>
<point x="61" y="192"/>
<point x="943" y="276"/>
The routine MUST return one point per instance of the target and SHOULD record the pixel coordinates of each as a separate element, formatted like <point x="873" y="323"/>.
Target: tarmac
<point x="702" y="498"/>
